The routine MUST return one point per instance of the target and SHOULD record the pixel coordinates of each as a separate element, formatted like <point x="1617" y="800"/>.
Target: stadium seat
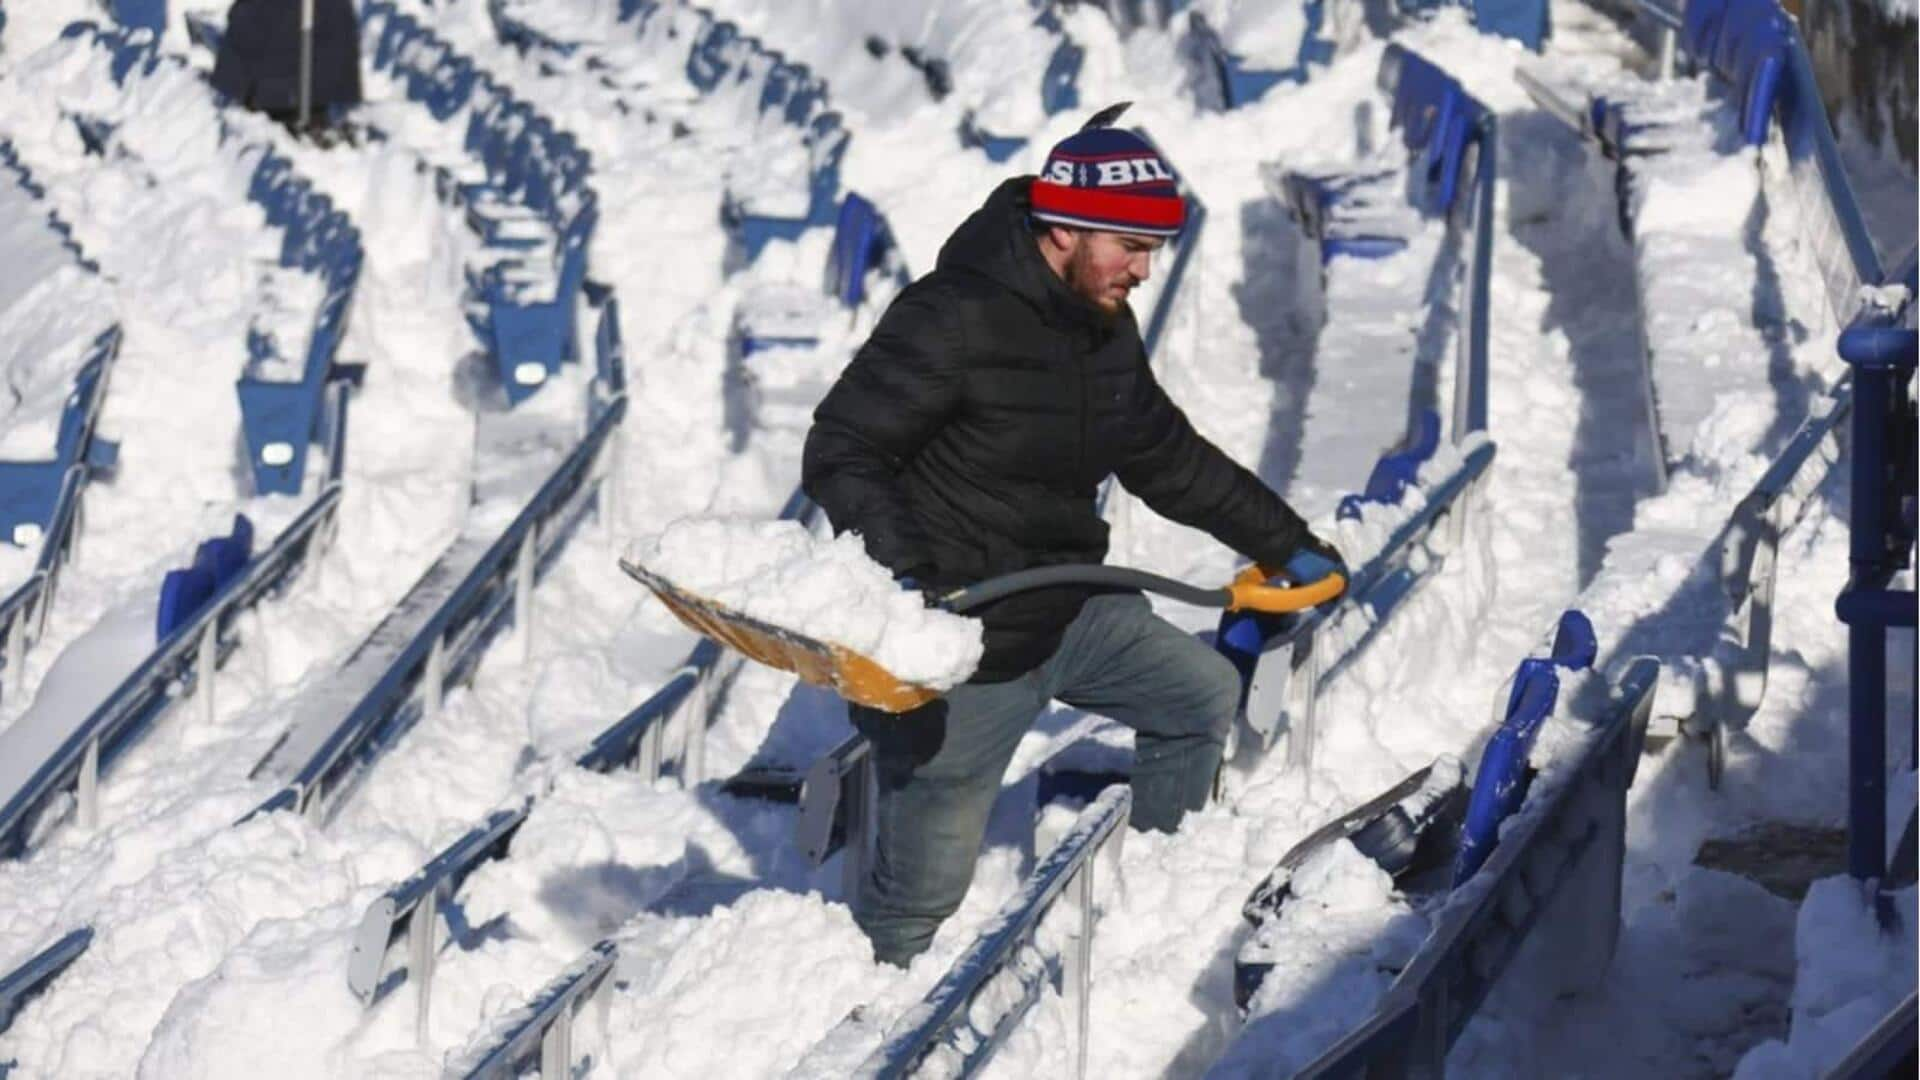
<point x="1500" y="785"/>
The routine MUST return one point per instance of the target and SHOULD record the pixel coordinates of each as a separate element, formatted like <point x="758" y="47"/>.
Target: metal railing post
<point x="205" y="659"/>
<point x="1667" y="43"/>
<point x="1078" y="976"/>
<point x="87" y="791"/>
<point x="422" y="933"/>
<point x="1303" y="689"/>
<point x="436" y="677"/>
<point x="523" y="565"/>
<point x="858" y="792"/>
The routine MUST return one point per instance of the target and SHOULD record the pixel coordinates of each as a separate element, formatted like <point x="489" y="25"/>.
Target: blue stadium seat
<point x="998" y="148"/>
<point x="826" y="143"/>
<point x="216" y="563"/>
<point x="1438" y="124"/>
<point x="1060" y="84"/>
<point x="1395" y="472"/>
<point x="712" y="56"/>
<point x="1500" y="785"/>
<point x="30" y="490"/>
<point x="862" y="243"/>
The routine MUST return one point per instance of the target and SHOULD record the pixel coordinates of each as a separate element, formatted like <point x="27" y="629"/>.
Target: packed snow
<point x="829" y="590"/>
<point x="222" y="949"/>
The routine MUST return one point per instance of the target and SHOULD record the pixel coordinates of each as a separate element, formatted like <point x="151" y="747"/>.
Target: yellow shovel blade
<point x="853" y="676"/>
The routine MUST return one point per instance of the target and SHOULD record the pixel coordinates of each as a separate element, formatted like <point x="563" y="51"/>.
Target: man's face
<point x="1105" y="266"/>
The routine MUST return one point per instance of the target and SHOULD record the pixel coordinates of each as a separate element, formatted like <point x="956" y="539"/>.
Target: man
<point x="967" y="439"/>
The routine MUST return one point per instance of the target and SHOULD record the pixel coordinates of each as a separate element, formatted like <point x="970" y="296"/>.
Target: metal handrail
<point x="148" y="690"/>
<point x="1481" y="926"/>
<point x="42" y="968"/>
<point x="543" y="1026"/>
<point x="464" y="612"/>
<point x="932" y="1024"/>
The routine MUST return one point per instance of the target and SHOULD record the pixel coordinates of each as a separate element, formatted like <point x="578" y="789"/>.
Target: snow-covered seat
<point x="292" y="345"/>
<point x="1225" y="77"/>
<point x="791" y="315"/>
<point x="793" y="195"/>
<point x="1368" y="212"/>
<point x="1699" y="263"/>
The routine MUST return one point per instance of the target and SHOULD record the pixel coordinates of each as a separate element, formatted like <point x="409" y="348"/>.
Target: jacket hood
<point x="997" y="242"/>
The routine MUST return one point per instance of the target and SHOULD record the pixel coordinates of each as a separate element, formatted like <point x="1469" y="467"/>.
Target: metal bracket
<point x="836" y="801"/>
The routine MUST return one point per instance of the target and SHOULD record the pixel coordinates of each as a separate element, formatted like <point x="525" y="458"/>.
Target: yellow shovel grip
<point x="1250" y="592"/>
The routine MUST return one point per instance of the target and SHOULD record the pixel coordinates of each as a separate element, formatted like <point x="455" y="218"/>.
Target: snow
<point x="828" y="590"/>
<point x="736" y="957"/>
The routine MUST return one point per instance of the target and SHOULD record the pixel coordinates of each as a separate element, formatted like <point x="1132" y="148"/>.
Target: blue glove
<point x="1306" y="567"/>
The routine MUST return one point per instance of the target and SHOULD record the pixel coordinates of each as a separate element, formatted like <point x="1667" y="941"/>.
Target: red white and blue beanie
<point x="1111" y="179"/>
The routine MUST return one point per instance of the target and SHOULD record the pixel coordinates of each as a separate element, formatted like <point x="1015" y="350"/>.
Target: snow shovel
<point x="861" y="680"/>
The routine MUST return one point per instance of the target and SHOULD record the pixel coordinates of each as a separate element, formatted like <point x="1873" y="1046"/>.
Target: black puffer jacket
<point x="969" y="436"/>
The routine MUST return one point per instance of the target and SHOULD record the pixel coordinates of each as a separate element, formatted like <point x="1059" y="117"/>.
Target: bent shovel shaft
<point x="1248" y="591"/>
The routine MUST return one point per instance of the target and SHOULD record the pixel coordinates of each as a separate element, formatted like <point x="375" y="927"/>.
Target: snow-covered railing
<point x="1565" y="844"/>
<point x="1183" y="247"/>
<point x="1882" y="347"/>
<point x="184" y="664"/>
<point x="676" y="715"/>
<point x="33" y="976"/>
<point x="79" y="456"/>
<point x="448" y="623"/>
<point x="977" y="1004"/>
<point x="540" y="1032"/>
<point x="1734" y="678"/>
<point x="1290" y="666"/>
<point x="1883" y="1051"/>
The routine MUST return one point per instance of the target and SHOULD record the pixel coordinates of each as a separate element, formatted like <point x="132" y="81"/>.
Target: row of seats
<point x="863" y="245"/>
<point x="1440" y="124"/>
<point x="31" y="491"/>
<point x="721" y="60"/>
<point x="1745" y="44"/>
<point x="217" y="563"/>
<point x="1223" y="79"/>
<point x="280" y="416"/>
<point x="1059" y="92"/>
<point x="524" y="185"/>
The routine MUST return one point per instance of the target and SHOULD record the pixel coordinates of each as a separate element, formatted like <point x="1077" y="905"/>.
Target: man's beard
<point x="1079" y="277"/>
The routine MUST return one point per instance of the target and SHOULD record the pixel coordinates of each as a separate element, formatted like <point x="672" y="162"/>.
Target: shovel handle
<point x="1249" y="591"/>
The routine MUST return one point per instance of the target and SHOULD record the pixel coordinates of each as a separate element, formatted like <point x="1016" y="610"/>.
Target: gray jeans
<point x="940" y="766"/>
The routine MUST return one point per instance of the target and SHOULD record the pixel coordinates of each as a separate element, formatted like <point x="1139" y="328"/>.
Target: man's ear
<point x="1061" y="238"/>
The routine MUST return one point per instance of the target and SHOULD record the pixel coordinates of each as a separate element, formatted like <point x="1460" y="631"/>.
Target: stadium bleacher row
<point x="1532" y="852"/>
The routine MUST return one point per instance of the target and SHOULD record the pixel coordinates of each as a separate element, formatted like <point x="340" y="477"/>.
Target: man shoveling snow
<point x="968" y="439"/>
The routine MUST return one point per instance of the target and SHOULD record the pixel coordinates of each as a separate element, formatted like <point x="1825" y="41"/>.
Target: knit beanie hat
<point x="1111" y="179"/>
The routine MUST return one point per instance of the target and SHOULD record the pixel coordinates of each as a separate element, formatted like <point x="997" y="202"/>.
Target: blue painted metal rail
<point x="23" y="614"/>
<point x="638" y="740"/>
<point x="1883" y="348"/>
<point x="1572" y="832"/>
<point x="182" y="664"/>
<point x="1289" y="667"/>
<point x="33" y="976"/>
<point x="955" y="1029"/>
<point x="449" y="618"/>
<point x="541" y="1032"/>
